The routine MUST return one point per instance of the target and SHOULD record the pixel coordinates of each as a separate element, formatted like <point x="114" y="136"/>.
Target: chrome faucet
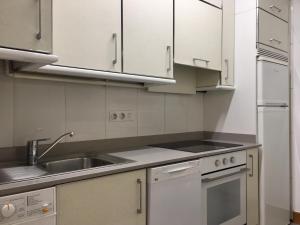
<point x="33" y="147"/>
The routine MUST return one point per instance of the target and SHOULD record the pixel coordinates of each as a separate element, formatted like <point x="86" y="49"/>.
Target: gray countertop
<point x="26" y="178"/>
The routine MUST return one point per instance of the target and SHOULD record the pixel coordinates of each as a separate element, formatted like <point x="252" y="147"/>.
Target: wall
<point x="33" y="109"/>
<point x="295" y="69"/>
<point x="235" y="112"/>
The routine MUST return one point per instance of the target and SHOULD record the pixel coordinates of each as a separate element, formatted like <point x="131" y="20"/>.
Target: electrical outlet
<point x="121" y="116"/>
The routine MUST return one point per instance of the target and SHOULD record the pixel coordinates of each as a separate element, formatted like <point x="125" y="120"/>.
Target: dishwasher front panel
<point x="174" y="194"/>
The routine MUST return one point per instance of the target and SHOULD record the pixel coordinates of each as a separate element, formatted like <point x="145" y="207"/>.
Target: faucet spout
<point x="48" y="149"/>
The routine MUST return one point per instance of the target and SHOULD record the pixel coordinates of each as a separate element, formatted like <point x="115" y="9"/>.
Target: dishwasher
<point x="30" y="208"/>
<point x="174" y="194"/>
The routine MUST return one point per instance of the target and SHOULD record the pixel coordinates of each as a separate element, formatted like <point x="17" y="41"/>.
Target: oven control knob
<point x="232" y="159"/>
<point x="225" y="161"/>
<point x="8" y="210"/>
<point x="217" y="163"/>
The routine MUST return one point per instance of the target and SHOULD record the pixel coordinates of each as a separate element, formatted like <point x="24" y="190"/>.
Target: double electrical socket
<point x="121" y="116"/>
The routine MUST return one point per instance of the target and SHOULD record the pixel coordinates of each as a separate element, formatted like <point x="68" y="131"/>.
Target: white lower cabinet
<point x="253" y="187"/>
<point x="87" y="34"/>
<point x="148" y="37"/>
<point x="198" y="34"/>
<point x="111" y="200"/>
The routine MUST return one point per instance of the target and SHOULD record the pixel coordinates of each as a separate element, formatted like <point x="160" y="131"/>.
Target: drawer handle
<point x="39" y="33"/>
<point x="170" y="60"/>
<point x="115" y="38"/>
<point x="252" y="167"/>
<point x="227" y="69"/>
<point x="140" y="203"/>
<point x="272" y="7"/>
<point x="275" y="40"/>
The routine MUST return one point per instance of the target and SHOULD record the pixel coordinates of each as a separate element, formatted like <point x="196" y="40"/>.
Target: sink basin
<point x="72" y="164"/>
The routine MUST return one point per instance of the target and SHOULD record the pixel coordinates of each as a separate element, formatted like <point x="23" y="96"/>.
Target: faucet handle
<point x="35" y="143"/>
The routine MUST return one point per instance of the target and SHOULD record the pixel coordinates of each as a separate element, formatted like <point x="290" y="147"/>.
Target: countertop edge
<point x="53" y="180"/>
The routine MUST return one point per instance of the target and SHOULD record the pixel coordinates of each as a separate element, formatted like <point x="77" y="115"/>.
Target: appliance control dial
<point x="8" y="210"/>
<point x="217" y="163"/>
<point x="225" y="161"/>
<point x="232" y="159"/>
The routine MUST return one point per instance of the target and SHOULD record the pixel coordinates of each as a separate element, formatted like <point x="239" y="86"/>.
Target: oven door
<point x="224" y="197"/>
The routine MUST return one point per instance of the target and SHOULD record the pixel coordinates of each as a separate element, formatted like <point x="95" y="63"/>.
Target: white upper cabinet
<point x="198" y="34"/>
<point x="278" y="8"/>
<point x="87" y="34"/>
<point x="148" y="37"/>
<point x="228" y="43"/>
<point x="26" y="25"/>
<point x="273" y="31"/>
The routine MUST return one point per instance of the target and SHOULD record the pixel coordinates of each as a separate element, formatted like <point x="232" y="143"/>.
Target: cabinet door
<point x="111" y="200"/>
<point x="148" y="37"/>
<point x="252" y="187"/>
<point x="87" y="34"/>
<point x="273" y="31"/>
<point x="228" y="42"/>
<point x="278" y="8"/>
<point x="26" y="25"/>
<point x="198" y="34"/>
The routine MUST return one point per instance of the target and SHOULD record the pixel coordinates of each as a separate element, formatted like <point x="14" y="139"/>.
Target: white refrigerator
<point x="274" y="135"/>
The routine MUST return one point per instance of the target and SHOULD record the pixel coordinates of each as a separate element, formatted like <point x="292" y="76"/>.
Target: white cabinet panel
<point x="228" y="42"/>
<point x="198" y="34"/>
<point x="273" y="31"/>
<point x="278" y="8"/>
<point x="26" y="24"/>
<point x="148" y="37"/>
<point x="217" y="3"/>
<point x="87" y="35"/>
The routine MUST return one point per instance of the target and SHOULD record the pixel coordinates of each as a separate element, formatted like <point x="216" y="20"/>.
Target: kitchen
<point x="138" y="112"/>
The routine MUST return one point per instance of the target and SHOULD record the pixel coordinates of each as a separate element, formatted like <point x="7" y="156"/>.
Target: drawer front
<point x="278" y="8"/>
<point x="273" y="31"/>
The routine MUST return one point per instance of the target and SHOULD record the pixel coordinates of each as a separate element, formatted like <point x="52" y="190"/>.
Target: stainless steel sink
<point x="79" y="163"/>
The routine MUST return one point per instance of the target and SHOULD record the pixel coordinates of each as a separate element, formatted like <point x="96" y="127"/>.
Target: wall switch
<point x="121" y="116"/>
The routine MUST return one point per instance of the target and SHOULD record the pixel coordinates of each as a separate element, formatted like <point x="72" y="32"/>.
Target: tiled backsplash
<point x="32" y="109"/>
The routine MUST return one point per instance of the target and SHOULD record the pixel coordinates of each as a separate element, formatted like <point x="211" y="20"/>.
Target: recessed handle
<point x="272" y="7"/>
<point x="39" y="33"/>
<point x="275" y="40"/>
<point x="178" y="170"/>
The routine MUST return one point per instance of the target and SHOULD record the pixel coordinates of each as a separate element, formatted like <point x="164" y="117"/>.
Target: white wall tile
<point x="176" y="113"/>
<point x="39" y="110"/>
<point x="119" y="99"/>
<point x="151" y="113"/>
<point x="6" y="111"/>
<point x="195" y="112"/>
<point x="85" y="111"/>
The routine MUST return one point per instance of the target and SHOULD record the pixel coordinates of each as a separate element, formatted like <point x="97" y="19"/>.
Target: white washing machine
<point x="30" y="208"/>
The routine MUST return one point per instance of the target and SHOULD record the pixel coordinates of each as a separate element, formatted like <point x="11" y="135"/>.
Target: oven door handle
<point x="207" y="180"/>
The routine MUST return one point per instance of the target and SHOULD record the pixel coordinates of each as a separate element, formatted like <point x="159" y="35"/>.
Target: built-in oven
<point x="224" y="189"/>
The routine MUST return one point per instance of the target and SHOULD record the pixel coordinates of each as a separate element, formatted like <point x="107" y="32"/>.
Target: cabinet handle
<point x="272" y="7"/>
<point x="227" y="69"/>
<point x="203" y="60"/>
<point x="140" y="203"/>
<point x="252" y="162"/>
<point x="275" y="40"/>
<point x="115" y="37"/>
<point x="169" y="49"/>
<point x="39" y="33"/>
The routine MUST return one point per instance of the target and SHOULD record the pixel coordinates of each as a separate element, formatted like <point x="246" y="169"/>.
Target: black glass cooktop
<point x="197" y="146"/>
